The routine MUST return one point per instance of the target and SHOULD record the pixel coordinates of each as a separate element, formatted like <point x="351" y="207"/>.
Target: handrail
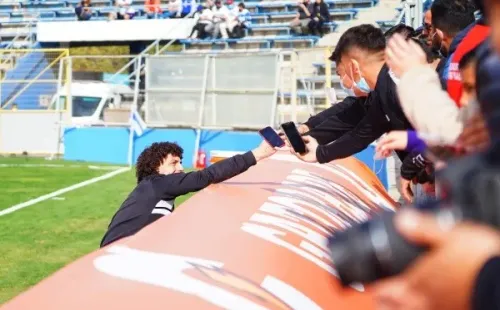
<point x="146" y="51"/>
<point x="29" y="37"/>
<point x="16" y="95"/>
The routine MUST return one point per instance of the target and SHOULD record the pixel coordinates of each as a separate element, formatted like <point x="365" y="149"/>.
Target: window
<point x="85" y="106"/>
<point x="107" y="104"/>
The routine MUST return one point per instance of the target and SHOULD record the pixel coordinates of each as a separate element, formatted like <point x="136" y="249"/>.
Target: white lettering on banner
<point x="311" y="207"/>
<point x="360" y="184"/>
<point x="201" y="278"/>
<point x="306" y="233"/>
<point x="352" y="204"/>
<point x="299" y="214"/>
<point x="346" y="174"/>
<point x="275" y="236"/>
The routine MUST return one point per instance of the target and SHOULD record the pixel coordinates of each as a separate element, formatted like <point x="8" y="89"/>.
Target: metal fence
<point x="212" y="91"/>
<point x="30" y="77"/>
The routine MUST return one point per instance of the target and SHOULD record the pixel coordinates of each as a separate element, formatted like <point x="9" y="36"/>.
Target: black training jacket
<point x="154" y="196"/>
<point x="383" y="115"/>
<point x="337" y="120"/>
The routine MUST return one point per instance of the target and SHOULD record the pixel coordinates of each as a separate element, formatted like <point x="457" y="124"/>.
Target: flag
<point x="137" y="124"/>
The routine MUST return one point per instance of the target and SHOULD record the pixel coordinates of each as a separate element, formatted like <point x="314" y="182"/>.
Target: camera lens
<point x="371" y="251"/>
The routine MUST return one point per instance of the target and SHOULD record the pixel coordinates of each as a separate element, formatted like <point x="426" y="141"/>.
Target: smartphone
<point x="271" y="137"/>
<point x="294" y="137"/>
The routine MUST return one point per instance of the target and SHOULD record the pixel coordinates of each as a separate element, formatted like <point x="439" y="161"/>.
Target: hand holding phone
<point x="294" y="137"/>
<point x="271" y="137"/>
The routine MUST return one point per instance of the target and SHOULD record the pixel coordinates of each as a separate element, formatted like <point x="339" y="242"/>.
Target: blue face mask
<point x="349" y="91"/>
<point x="363" y="86"/>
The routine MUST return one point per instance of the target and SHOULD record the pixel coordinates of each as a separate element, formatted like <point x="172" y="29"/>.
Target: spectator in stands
<point x="473" y="36"/>
<point x="161" y="179"/>
<point x="152" y="8"/>
<point x="83" y="10"/>
<point x="220" y="14"/>
<point x="319" y="16"/>
<point x="175" y="8"/>
<point x="427" y="27"/>
<point x="302" y="17"/>
<point x="236" y="22"/>
<point x="203" y="18"/>
<point x="124" y="10"/>
<point x="449" y="18"/>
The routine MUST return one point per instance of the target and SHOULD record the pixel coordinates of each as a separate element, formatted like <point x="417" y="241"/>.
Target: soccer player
<point x="161" y="179"/>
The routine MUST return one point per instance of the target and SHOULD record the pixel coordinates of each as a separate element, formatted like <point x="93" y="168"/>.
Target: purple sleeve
<point x="415" y="144"/>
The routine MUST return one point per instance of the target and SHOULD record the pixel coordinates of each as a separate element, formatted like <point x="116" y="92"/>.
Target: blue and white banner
<point x="137" y="124"/>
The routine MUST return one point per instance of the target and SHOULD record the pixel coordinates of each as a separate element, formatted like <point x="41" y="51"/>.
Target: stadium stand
<point x="268" y="29"/>
<point x="269" y="20"/>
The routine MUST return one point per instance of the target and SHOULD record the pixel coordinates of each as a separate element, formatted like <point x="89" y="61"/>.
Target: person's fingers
<point x="392" y="145"/>
<point x="306" y="139"/>
<point x="384" y="141"/>
<point x="389" y="293"/>
<point x="420" y="228"/>
<point x="391" y="59"/>
<point x="406" y="190"/>
<point x="416" y="50"/>
<point x="399" y="46"/>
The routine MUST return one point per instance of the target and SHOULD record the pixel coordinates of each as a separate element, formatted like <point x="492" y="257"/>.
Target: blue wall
<point x="110" y="145"/>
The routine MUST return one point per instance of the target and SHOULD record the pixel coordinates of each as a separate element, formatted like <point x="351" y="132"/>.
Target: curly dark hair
<point x="152" y="157"/>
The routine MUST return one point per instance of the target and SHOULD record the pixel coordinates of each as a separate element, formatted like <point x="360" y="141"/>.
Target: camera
<point x="374" y="250"/>
<point x="471" y="191"/>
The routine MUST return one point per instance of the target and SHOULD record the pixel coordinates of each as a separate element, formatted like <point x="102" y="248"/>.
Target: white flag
<point x="137" y="124"/>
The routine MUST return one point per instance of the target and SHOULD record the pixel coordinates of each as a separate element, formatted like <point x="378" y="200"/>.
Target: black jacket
<point x="486" y="295"/>
<point x="337" y="120"/>
<point x="154" y="196"/>
<point x="384" y="114"/>
<point x="320" y="10"/>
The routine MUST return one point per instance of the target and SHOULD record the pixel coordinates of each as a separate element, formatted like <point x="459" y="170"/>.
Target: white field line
<point x="59" y="166"/>
<point x="62" y="191"/>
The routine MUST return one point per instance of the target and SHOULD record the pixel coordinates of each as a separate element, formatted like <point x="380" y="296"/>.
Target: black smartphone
<point x="294" y="137"/>
<point x="271" y="136"/>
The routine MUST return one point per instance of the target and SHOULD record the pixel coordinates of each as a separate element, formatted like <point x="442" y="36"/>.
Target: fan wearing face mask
<point x="361" y="53"/>
<point x="341" y="117"/>
<point x="344" y="116"/>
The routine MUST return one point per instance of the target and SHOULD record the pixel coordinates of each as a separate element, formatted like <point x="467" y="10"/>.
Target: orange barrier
<point x="256" y="241"/>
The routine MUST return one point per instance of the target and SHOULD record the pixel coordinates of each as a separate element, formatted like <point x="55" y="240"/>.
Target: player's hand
<point x="310" y="155"/>
<point x="394" y="140"/>
<point x="402" y="55"/>
<point x="443" y="278"/>
<point x="264" y="150"/>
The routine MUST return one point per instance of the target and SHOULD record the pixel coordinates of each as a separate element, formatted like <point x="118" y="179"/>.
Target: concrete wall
<point x="33" y="131"/>
<point x="110" y="145"/>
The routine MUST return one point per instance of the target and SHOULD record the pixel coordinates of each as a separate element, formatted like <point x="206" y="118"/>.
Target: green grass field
<point x="40" y="239"/>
